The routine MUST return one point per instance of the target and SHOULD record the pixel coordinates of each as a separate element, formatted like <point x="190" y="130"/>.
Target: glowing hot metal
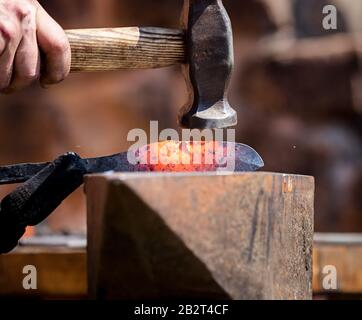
<point x="166" y="156"/>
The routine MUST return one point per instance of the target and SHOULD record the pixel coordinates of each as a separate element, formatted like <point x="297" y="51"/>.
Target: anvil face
<point x="199" y="235"/>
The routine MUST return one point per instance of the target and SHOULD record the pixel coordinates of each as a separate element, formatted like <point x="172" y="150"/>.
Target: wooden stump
<point x="239" y="236"/>
<point x="61" y="272"/>
<point x="342" y="253"/>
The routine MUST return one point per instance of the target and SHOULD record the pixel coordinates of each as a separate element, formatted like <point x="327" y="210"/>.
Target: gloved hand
<point x="38" y="197"/>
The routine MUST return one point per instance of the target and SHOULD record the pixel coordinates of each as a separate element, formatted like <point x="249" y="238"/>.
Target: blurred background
<point x="296" y="86"/>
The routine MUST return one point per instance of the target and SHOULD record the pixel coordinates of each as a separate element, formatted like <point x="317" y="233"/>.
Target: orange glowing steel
<point x="183" y="156"/>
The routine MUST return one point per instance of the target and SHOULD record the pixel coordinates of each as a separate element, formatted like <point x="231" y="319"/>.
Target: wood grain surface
<point x="125" y="48"/>
<point x="61" y="272"/>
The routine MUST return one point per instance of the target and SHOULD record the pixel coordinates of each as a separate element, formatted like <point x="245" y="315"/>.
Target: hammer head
<point x="210" y="63"/>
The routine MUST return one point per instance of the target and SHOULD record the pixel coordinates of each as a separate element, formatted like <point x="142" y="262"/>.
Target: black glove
<point x="38" y="197"/>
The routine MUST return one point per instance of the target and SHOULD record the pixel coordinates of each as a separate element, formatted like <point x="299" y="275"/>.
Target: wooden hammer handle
<point x="125" y="48"/>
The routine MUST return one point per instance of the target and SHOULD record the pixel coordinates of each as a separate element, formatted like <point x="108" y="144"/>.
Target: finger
<point x="2" y="44"/>
<point x="10" y="33"/>
<point x="27" y="58"/>
<point x="54" y="43"/>
<point x="3" y="31"/>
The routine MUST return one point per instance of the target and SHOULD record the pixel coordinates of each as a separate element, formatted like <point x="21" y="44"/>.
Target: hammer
<point x="204" y="46"/>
